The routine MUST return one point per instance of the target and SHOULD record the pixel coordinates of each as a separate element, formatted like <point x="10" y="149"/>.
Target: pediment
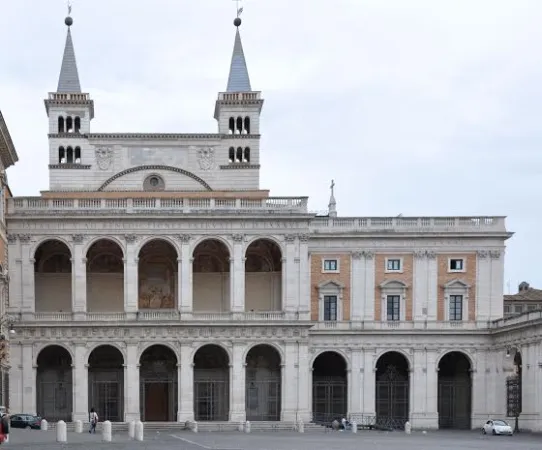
<point x="331" y="284"/>
<point x="393" y="284"/>
<point x="456" y="284"/>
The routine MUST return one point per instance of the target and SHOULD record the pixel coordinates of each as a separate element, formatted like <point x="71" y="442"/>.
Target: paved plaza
<point x="278" y="441"/>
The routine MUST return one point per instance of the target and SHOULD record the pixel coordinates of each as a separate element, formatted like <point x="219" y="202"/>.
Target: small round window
<point x="154" y="183"/>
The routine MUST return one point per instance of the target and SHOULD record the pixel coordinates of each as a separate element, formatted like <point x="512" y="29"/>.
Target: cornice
<point x="239" y="166"/>
<point x="158" y="136"/>
<point x="67" y="136"/>
<point x="70" y="166"/>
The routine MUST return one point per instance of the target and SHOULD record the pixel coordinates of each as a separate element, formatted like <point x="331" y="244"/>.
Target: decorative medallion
<point x="206" y="158"/>
<point x="104" y="157"/>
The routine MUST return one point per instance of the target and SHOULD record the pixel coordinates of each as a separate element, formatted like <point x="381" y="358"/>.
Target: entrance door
<point x="156" y="402"/>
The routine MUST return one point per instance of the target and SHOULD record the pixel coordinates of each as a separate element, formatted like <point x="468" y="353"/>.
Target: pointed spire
<point x="238" y="81"/>
<point x="69" y="76"/>
<point x="332" y="207"/>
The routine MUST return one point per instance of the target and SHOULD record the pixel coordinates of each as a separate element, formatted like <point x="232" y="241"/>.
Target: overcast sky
<point x="419" y="107"/>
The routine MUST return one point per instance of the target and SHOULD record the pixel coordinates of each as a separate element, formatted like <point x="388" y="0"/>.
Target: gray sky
<point x="419" y="107"/>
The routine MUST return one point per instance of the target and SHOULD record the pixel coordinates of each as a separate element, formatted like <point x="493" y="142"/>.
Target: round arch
<point x="108" y="344"/>
<point x="271" y="238"/>
<point x="149" y="239"/>
<point x="200" y="240"/>
<point x="154" y="167"/>
<point x="268" y="344"/>
<point x="169" y="345"/>
<point x="399" y="351"/>
<point x="44" y="240"/>
<point x="42" y="347"/>
<point x="339" y="352"/>
<point x="329" y="386"/>
<point x="213" y="344"/>
<point x="455" y="350"/>
<point x="112" y="239"/>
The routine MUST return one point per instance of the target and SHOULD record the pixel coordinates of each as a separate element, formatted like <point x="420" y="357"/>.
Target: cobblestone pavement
<point x="21" y="439"/>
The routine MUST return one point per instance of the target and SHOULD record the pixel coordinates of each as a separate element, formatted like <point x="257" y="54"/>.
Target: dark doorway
<point x="392" y="391"/>
<point x="454" y="392"/>
<point x="329" y="388"/>
<point x="263" y="384"/>
<point x="158" y="376"/>
<point x="211" y="384"/>
<point x="106" y="383"/>
<point x="54" y="384"/>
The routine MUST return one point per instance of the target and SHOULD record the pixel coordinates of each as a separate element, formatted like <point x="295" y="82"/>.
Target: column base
<point x="424" y="421"/>
<point x="289" y="415"/>
<point x="128" y="417"/>
<point x="185" y="416"/>
<point x="238" y="416"/>
<point x="82" y="416"/>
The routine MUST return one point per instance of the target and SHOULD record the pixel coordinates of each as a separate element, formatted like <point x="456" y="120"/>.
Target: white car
<point x="497" y="427"/>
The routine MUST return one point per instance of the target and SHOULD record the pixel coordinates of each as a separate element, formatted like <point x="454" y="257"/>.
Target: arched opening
<point x="158" y="384"/>
<point x="53" y="277"/>
<point x="231" y="155"/>
<point x="392" y="391"/>
<point x="211" y="276"/>
<point x="247" y="125"/>
<point x="239" y="155"/>
<point x="263" y="383"/>
<point x="77" y="124"/>
<point x="54" y="391"/>
<point x="454" y="392"/>
<point x="77" y="155"/>
<point x="246" y="155"/>
<point x="69" y="155"/>
<point x="329" y="388"/>
<point x="61" y="155"/>
<point x="211" y="384"/>
<point x="263" y="276"/>
<point x="106" y="383"/>
<point x="105" y="277"/>
<point x="239" y="125"/>
<point x="232" y="125"/>
<point x="69" y="125"/>
<point x="61" y="124"/>
<point x="514" y="387"/>
<point x="157" y="274"/>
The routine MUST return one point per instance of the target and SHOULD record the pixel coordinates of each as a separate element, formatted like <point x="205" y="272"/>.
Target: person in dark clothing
<point x="93" y="419"/>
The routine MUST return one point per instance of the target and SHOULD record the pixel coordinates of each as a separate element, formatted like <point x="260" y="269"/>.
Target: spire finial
<point x="332" y="187"/>
<point x="237" y="21"/>
<point x="68" y="20"/>
<point x="332" y="207"/>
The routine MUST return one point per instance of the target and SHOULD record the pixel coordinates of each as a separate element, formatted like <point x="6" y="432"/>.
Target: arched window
<point x="231" y="156"/>
<point x="232" y="125"/>
<point x="246" y="155"/>
<point x="239" y="155"/>
<point x="61" y="155"/>
<point x="69" y="125"/>
<point x="61" y="124"/>
<point x="239" y="125"/>
<point x="77" y="155"/>
<point x="69" y="155"/>
<point x="77" y="124"/>
<point x="247" y="125"/>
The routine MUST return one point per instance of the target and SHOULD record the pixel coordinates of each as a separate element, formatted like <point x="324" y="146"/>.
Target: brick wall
<point x="469" y="277"/>
<point x="342" y="277"/>
<point x="405" y="276"/>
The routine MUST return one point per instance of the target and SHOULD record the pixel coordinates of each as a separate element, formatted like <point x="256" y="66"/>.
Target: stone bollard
<point x="247" y="427"/>
<point x="408" y="428"/>
<point x="354" y="427"/>
<point x="44" y="425"/>
<point x="106" y="431"/>
<point x="139" y="430"/>
<point x="300" y="426"/>
<point x="131" y="429"/>
<point x="241" y="426"/>
<point x="61" y="431"/>
<point x="78" y="426"/>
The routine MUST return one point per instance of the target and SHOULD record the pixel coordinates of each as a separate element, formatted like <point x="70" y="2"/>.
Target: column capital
<point x="184" y="238"/>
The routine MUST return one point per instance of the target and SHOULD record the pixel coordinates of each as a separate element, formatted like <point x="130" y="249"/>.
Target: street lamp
<point x="514" y="388"/>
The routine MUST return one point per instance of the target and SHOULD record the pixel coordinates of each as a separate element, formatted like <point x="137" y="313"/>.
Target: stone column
<point x="79" y="278"/>
<point x="237" y="275"/>
<point x="15" y="274"/>
<point x="131" y="384"/>
<point x="432" y="286"/>
<point x="369" y="283"/>
<point x="290" y="279"/>
<point x="355" y="405"/>
<point x="237" y="384"/>
<point x="29" y="379"/>
<point x="358" y="283"/>
<point x="186" y="389"/>
<point x="27" y="271"/>
<point x="304" y="300"/>
<point x="16" y="387"/>
<point x="419" y="287"/>
<point x="369" y="384"/>
<point x="483" y="286"/>
<point x="186" y="301"/>
<point x="424" y="389"/>
<point x="496" y="309"/>
<point x="80" y="383"/>
<point x="304" y="382"/>
<point x="289" y="383"/>
<point x="131" y="281"/>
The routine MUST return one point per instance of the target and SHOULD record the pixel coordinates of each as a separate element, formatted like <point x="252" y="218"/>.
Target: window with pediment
<point x="330" y="300"/>
<point x="456" y="299"/>
<point x="393" y="300"/>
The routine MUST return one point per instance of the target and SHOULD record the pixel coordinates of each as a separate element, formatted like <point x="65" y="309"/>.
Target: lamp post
<point x="514" y="388"/>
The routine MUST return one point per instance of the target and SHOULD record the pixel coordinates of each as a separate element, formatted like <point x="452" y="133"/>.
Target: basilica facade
<point x="156" y="280"/>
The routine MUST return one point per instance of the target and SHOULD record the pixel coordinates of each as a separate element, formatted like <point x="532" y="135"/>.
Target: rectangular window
<point x="506" y="309"/>
<point x="531" y="308"/>
<point x="457" y="265"/>
<point x="518" y="309"/>
<point x="330" y="307"/>
<point x="393" y="307"/>
<point x="331" y="265"/>
<point x="393" y="265"/>
<point x="456" y="307"/>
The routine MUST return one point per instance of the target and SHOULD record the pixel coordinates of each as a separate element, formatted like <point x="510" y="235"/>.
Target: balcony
<point x="134" y="206"/>
<point x="484" y="224"/>
<point x="390" y="327"/>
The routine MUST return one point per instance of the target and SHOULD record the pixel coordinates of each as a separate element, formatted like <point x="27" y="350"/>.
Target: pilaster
<point x="424" y="387"/>
<point x="237" y="384"/>
<point x="369" y="277"/>
<point x="291" y="279"/>
<point x="131" y="282"/>
<point x="80" y="384"/>
<point x="27" y="274"/>
<point x="186" y="300"/>
<point x="496" y="305"/>
<point x="15" y="274"/>
<point x="355" y="405"/>
<point x="420" y="292"/>
<point x="79" y="276"/>
<point x="304" y="300"/>
<point x="131" y="384"/>
<point x="358" y="286"/>
<point x="432" y="286"/>
<point x="483" y="285"/>
<point x="237" y="275"/>
<point x="290" y="383"/>
<point x="369" y="381"/>
<point x="304" y="382"/>
<point x="28" y="380"/>
<point x="478" y="380"/>
<point x="16" y="385"/>
<point x="186" y="390"/>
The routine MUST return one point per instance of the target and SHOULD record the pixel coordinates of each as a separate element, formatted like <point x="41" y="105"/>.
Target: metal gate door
<point x="392" y="399"/>
<point x="54" y="400"/>
<point x="454" y="404"/>
<point x="329" y="399"/>
<point x="262" y="399"/>
<point x="211" y="400"/>
<point x="106" y="398"/>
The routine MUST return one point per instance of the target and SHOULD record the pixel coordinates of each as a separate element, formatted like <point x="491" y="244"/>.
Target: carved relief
<point x="12" y="238"/>
<point x="206" y="158"/>
<point x="482" y="254"/>
<point x="184" y="238"/>
<point x="495" y="254"/>
<point x="24" y="238"/>
<point x="78" y="238"/>
<point x="420" y="254"/>
<point x="368" y="254"/>
<point x="357" y="255"/>
<point x="430" y="254"/>
<point x="238" y="238"/>
<point x="289" y="237"/>
<point x="104" y="157"/>
<point x="304" y="238"/>
<point x="130" y="238"/>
